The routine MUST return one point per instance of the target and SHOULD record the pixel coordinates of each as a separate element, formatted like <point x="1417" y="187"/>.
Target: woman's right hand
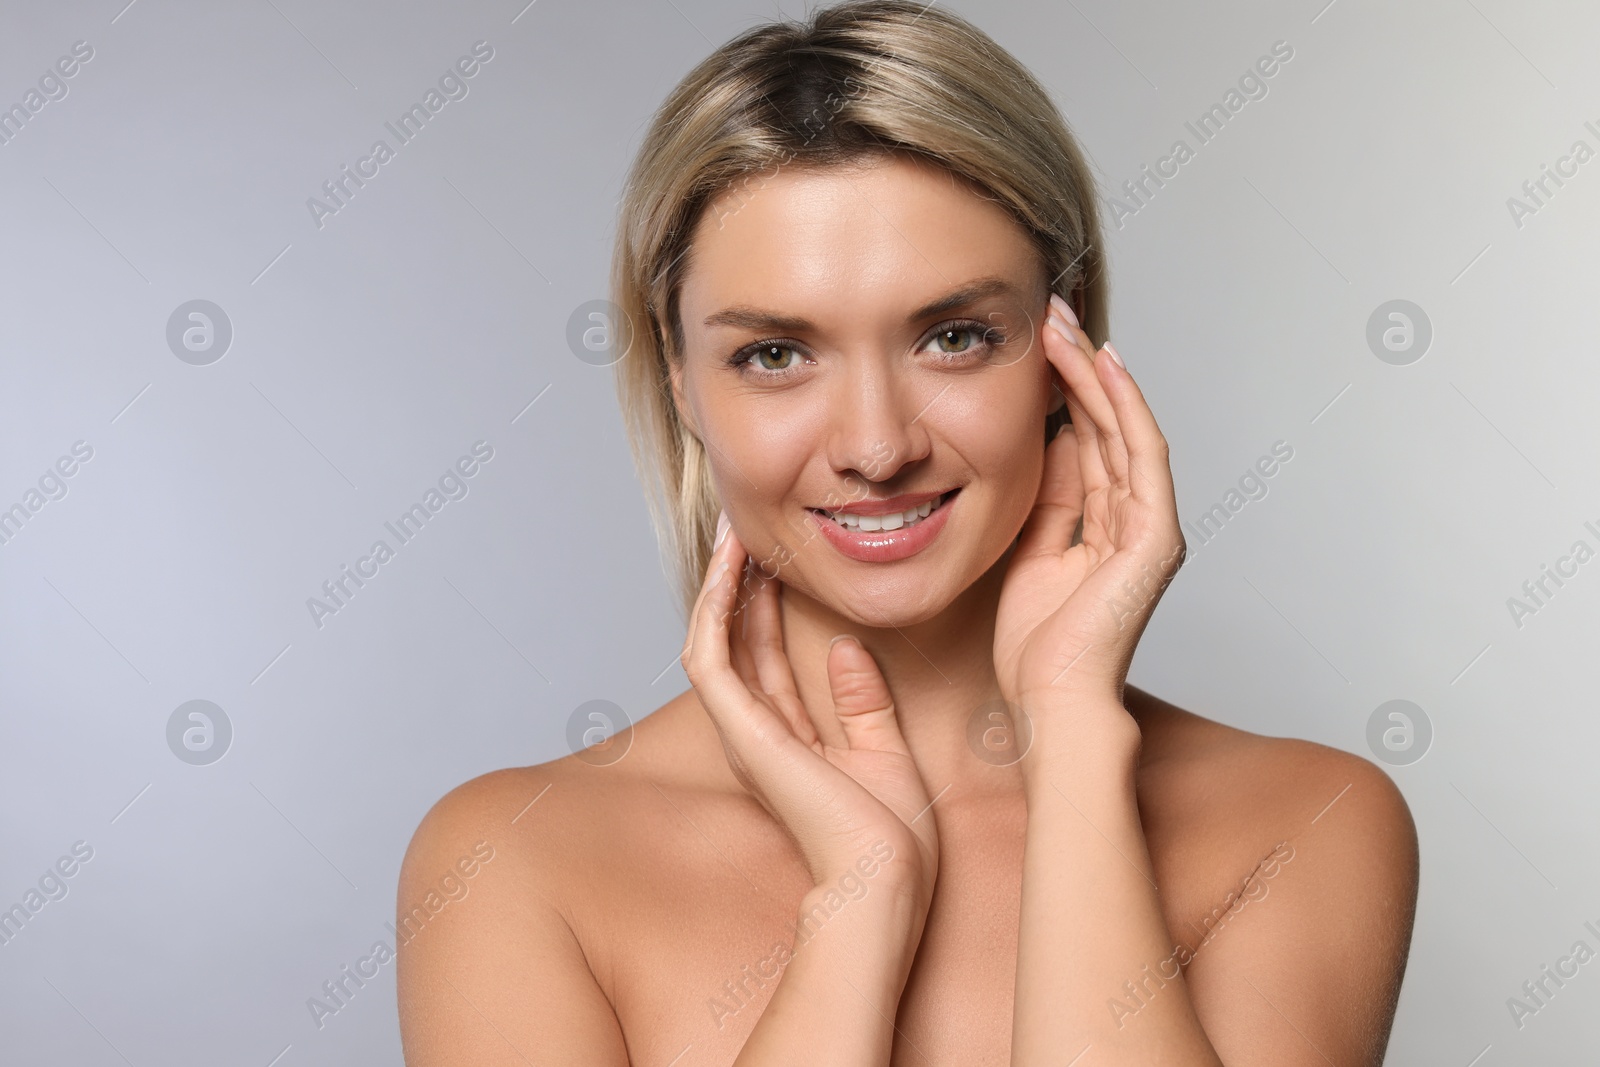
<point x="835" y="802"/>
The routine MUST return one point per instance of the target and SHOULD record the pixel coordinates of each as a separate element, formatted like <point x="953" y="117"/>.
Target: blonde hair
<point x="857" y="80"/>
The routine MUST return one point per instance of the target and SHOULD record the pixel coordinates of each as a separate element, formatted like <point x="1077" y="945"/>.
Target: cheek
<point x="998" y="427"/>
<point x="757" y="454"/>
<point x="763" y="437"/>
<point x="1011" y="463"/>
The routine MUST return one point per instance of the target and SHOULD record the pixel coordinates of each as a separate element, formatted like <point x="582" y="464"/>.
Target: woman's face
<point x="865" y="340"/>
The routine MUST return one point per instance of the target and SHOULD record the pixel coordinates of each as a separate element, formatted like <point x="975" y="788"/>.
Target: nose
<point x="876" y="426"/>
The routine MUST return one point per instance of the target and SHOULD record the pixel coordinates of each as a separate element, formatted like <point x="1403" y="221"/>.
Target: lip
<point x="887" y="546"/>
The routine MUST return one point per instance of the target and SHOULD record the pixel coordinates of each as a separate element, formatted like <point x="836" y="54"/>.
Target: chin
<point x="880" y="601"/>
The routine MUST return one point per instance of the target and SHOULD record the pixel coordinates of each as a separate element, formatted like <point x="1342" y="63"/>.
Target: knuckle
<point x="859" y="689"/>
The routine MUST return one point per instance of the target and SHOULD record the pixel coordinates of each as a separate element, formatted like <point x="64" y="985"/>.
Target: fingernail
<point x="1065" y="309"/>
<point x="1116" y="356"/>
<point x="722" y="530"/>
<point x="840" y="637"/>
<point x="1061" y="327"/>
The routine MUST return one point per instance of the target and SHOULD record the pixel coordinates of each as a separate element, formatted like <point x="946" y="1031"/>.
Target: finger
<point x="707" y="656"/>
<point x="1084" y="386"/>
<point x="1076" y="363"/>
<point x="1072" y="364"/>
<point x="721" y="552"/>
<point x="1147" y="446"/>
<point x="1059" y="505"/>
<point x="861" y="699"/>
<point x="738" y="632"/>
<point x="752" y="734"/>
<point x="715" y="600"/>
<point x="765" y="634"/>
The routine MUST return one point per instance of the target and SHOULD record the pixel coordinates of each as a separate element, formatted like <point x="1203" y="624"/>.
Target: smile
<point x="869" y="532"/>
<point x="893" y="521"/>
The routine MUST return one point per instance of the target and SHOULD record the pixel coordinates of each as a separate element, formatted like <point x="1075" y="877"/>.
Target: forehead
<point x="842" y="238"/>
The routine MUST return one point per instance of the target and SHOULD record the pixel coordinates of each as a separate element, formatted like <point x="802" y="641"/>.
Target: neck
<point x="940" y="674"/>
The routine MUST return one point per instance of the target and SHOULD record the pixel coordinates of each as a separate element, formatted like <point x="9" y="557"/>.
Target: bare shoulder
<point x="555" y="818"/>
<point x="1288" y="871"/>
<point x="1204" y="772"/>
<point x="488" y="813"/>
<point x="496" y="959"/>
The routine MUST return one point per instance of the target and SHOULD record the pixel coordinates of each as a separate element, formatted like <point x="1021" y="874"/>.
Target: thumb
<point x="861" y="698"/>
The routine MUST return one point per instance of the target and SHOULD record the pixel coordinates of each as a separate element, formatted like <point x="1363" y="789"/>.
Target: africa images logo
<point x="341" y="188"/>
<point x="453" y="485"/>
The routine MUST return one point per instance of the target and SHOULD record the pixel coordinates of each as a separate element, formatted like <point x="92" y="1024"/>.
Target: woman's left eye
<point x="966" y="337"/>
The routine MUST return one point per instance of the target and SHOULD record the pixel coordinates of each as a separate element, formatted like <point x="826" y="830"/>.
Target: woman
<point x="909" y="811"/>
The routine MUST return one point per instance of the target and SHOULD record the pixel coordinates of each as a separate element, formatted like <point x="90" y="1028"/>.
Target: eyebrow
<point x="744" y="316"/>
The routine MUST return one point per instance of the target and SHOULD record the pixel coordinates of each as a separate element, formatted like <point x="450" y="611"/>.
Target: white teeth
<point x="873" y="523"/>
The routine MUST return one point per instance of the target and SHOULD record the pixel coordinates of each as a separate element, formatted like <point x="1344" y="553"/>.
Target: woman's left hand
<point x="1070" y="614"/>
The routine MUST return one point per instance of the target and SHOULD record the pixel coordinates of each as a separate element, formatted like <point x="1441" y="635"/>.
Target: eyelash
<point x="988" y="336"/>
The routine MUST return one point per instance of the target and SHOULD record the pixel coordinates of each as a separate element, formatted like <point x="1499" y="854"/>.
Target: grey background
<point x="430" y="312"/>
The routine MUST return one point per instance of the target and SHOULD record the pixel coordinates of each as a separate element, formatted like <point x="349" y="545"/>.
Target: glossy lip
<point x="887" y="546"/>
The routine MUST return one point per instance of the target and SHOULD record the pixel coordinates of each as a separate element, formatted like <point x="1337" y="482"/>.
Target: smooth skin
<point x="802" y="859"/>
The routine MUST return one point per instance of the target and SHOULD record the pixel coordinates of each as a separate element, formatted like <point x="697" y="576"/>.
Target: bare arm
<point x="851" y="797"/>
<point x="1094" y="557"/>
<point x="1314" y="980"/>
<point x="837" y="999"/>
<point x="1303" y="970"/>
<point x="1092" y="926"/>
